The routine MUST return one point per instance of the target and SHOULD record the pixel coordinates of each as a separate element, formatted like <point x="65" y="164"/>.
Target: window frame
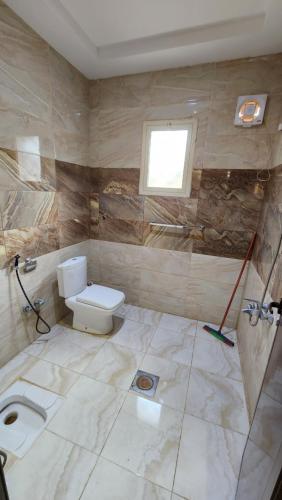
<point x="189" y="124"/>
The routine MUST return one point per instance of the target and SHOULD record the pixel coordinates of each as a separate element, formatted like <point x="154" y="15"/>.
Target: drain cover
<point x="11" y="418"/>
<point x="145" y="383"/>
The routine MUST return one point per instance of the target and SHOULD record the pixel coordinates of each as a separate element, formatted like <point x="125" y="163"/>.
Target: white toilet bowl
<point x="93" y="309"/>
<point x="93" y="306"/>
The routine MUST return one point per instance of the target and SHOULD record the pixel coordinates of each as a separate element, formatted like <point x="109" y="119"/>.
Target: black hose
<point x="39" y="318"/>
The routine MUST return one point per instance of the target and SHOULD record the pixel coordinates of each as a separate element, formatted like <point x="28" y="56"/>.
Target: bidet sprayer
<point x="17" y="258"/>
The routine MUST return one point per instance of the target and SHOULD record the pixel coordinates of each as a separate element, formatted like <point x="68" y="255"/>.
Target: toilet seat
<point x="101" y="296"/>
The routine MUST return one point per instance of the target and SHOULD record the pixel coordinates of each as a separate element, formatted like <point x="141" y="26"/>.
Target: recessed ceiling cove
<point x="104" y="38"/>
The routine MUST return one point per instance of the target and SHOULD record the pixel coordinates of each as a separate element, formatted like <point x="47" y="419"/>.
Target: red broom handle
<point x="249" y="253"/>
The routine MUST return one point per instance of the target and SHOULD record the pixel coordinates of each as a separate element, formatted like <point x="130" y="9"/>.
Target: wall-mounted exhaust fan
<point x="250" y="110"/>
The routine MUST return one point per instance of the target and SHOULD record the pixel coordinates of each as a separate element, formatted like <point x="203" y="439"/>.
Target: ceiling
<point x="104" y="38"/>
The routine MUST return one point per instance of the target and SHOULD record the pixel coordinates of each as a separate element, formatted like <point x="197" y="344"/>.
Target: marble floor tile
<point x="218" y="358"/>
<point x="136" y="336"/>
<point x="203" y="334"/>
<point x="68" y="348"/>
<point x="50" y="376"/>
<point x="176" y="497"/>
<point x="172" y="345"/>
<point x="123" y="485"/>
<point x="115" y="365"/>
<point x="14" y="369"/>
<point x="52" y="469"/>
<point x="178" y="324"/>
<point x="145" y="439"/>
<point x="208" y="461"/>
<point x="88" y="413"/>
<point x="142" y="315"/>
<point x="173" y="383"/>
<point x="217" y="399"/>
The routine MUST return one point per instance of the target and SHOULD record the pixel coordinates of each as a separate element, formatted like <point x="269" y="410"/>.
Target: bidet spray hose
<point x="39" y="318"/>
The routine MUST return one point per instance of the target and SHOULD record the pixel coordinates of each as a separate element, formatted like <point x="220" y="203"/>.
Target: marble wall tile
<point x="213" y="268"/>
<point x="226" y="243"/>
<point x="23" y="54"/>
<point x="72" y="148"/>
<point x="70" y="110"/>
<point x="168" y="238"/>
<point x="117" y="92"/>
<point x="121" y="231"/>
<point x="231" y="185"/>
<point x="26" y="208"/>
<point x="120" y="138"/>
<point x="95" y="179"/>
<point x="2" y="250"/>
<point x="126" y="207"/>
<point x="226" y="215"/>
<point x="24" y="171"/>
<point x="72" y="177"/>
<point x="73" y="231"/>
<point x="117" y="254"/>
<point x="94" y="215"/>
<point x="167" y="304"/>
<point x="73" y="205"/>
<point x="170" y="210"/>
<point x="254" y="343"/>
<point x="248" y="76"/>
<point x="166" y="261"/>
<point x="236" y="152"/>
<point x="27" y="124"/>
<point x="175" y="286"/>
<point x="31" y="241"/>
<point x="119" y="181"/>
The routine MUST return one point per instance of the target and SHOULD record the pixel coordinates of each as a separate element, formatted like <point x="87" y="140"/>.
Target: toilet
<point x="25" y="410"/>
<point x="93" y="306"/>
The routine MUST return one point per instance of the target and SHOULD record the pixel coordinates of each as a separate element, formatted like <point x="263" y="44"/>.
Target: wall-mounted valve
<point x="257" y="311"/>
<point x="38" y="303"/>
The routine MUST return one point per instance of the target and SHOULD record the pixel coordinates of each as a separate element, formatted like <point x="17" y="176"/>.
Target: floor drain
<point x="11" y="418"/>
<point x="145" y="383"/>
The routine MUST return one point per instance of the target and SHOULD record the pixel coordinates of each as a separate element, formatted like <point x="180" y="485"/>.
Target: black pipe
<point x="39" y="318"/>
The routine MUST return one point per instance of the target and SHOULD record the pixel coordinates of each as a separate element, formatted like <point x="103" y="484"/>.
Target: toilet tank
<point x="72" y="276"/>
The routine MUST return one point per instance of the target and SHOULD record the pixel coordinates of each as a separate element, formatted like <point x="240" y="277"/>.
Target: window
<point x="167" y="157"/>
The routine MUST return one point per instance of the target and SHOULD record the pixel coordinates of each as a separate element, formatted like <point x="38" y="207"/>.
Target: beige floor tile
<point x="50" y="376"/>
<point x="88" y="413"/>
<point x="208" y="461"/>
<point x="115" y="365"/>
<point x="52" y="469"/>
<point x="69" y="349"/>
<point x="178" y="324"/>
<point x="145" y="439"/>
<point x="217" y="399"/>
<point x="136" y="336"/>
<point x="173" y="383"/>
<point x="123" y="485"/>
<point x="142" y="315"/>
<point x="218" y="358"/>
<point x="172" y="345"/>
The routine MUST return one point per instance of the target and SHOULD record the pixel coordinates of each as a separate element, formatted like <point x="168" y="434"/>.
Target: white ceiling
<point x="104" y="38"/>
